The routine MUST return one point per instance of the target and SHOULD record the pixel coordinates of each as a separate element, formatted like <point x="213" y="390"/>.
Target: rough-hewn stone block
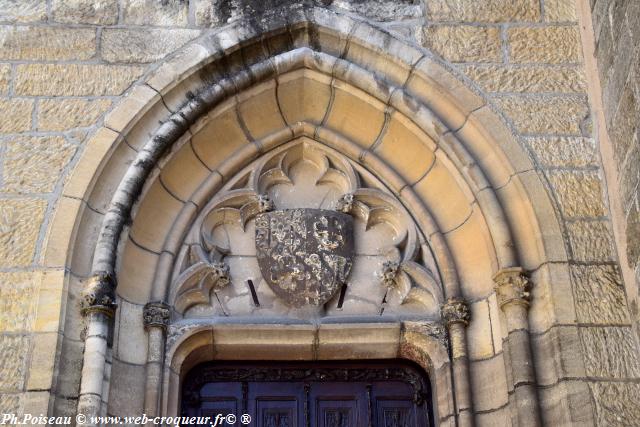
<point x="148" y="45"/>
<point x="14" y="352"/>
<point x="10" y="403"/>
<point x="579" y="194"/>
<point x="5" y="78"/>
<point x="383" y="10"/>
<point x="103" y="12"/>
<point x="564" y="151"/>
<point x="590" y="241"/>
<point x="599" y="294"/>
<point x="23" y="10"/>
<point x="497" y="78"/>
<point x="33" y="164"/>
<point x="610" y="352"/>
<point x="74" y="80"/>
<point x="46" y="43"/>
<point x="16" y="115"/>
<point x="464" y="43"/>
<point x="63" y="114"/>
<point x="555" y="45"/>
<point x="483" y="11"/>
<point x="18" y="302"/>
<point x="546" y="115"/>
<point x="20" y="221"/>
<point x="155" y="12"/>
<point x="616" y="403"/>
<point x="560" y="11"/>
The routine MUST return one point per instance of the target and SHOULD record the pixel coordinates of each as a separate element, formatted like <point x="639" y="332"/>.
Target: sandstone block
<point x="616" y="403"/>
<point x="33" y="164"/>
<point x="42" y="361"/>
<point x="20" y="221"/>
<point x="74" y="79"/>
<point x="560" y="11"/>
<point x="564" y="151"/>
<point x="148" y="45"/>
<point x="497" y="78"/>
<point x="633" y="234"/>
<point x="64" y="114"/>
<point x="10" y="403"/>
<point x="16" y="115"/>
<point x="599" y="294"/>
<point x="579" y="194"/>
<point x="23" y="10"/>
<point x="18" y="292"/>
<point x="464" y="43"/>
<point x="555" y="45"/>
<point x="484" y="11"/>
<point x="103" y="12"/>
<point x="5" y="78"/>
<point x="46" y="43"/>
<point x="548" y="114"/>
<point x="590" y="240"/>
<point x="610" y="352"/>
<point x="155" y="12"/>
<point x="14" y="352"/>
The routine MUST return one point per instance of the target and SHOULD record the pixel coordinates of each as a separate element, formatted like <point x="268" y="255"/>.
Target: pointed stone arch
<point x="395" y="109"/>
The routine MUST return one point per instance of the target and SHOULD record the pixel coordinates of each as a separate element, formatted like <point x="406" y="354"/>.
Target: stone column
<point x="98" y="308"/>
<point x="156" y="318"/>
<point x="456" y="316"/>
<point x="512" y="290"/>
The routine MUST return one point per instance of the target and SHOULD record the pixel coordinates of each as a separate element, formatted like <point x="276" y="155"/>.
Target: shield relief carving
<point x="305" y="255"/>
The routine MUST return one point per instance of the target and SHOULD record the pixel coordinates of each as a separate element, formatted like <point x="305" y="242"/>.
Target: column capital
<point x="99" y="295"/>
<point x="455" y="311"/>
<point x="512" y="286"/>
<point x="156" y="314"/>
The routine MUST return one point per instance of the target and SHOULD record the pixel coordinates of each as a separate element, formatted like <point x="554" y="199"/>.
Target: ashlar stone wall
<point x="65" y="63"/>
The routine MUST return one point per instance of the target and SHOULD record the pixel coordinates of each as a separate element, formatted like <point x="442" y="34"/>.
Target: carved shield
<point x="304" y="254"/>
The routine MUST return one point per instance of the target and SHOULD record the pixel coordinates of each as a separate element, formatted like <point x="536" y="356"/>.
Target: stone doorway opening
<point x="390" y="393"/>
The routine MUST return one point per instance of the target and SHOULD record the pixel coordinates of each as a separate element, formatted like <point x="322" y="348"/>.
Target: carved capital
<point x="265" y="204"/>
<point x="99" y="295"/>
<point x="345" y="203"/>
<point x="455" y="311"/>
<point x="156" y="314"/>
<point x="512" y="286"/>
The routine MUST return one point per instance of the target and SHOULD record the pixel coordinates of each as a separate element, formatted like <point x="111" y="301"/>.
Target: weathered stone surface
<point x="85" y="11"/>
<point x="599" y="294"/>
<point x="16" y="115"/>
<point x="555" y="45"/>
<point x="497" y="78"/>
<point x="20" y="221"/>
<point x="464" y="43"/>
<point x="610" y="352"/>
<point x="560" y="11"/>
<point x="382" y="10"/>
<point x="154" y="12"/>
<point x="5" y="78"/>
<point x="14" y="352"/>
<point x="74" y="80"/>
<point x="546" y="115"/>
<point x="18" y="300"/>
<point x="23" y="10"/>
<point x="63" y="114"/>
<point x="46" y="43"/>
<point x="148" y="45"/>
<point x="33" y="164"/>
<point x="579" y="194"/>
<point x="590" y="241"/>
<point x="616" y="403"/>
<point x="633" y="234"/>
<point x="10" y="403"/>
<point x="564" y="151"/>
<point x="483" y="11"/>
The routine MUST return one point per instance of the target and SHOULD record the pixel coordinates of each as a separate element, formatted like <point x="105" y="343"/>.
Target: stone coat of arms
<point x="305" y="255"/>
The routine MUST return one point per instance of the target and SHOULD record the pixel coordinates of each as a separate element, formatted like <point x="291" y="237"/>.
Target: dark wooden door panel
<point x="375" y="394"/>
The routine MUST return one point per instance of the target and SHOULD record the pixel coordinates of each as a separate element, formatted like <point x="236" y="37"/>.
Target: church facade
<point x="331" y="213"/>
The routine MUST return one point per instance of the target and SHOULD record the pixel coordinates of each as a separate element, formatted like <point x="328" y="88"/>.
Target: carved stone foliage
<point x="456" y="311"/>
<point x="156" y="314"/>
<point x="512" y="286"/>
<point x="304" y="225"/>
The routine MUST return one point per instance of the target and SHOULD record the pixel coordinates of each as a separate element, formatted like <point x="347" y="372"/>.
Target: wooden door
<point x="374" y="394"/>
